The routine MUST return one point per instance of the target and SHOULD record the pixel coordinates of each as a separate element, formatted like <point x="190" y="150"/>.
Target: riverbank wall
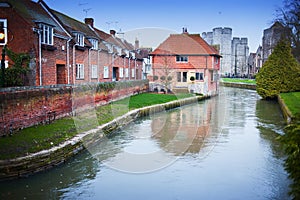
<point x="238" y="85"/>
<point x="22" y="107"/>
<point x="289" y="118"/>
<point x="46" y="159"/>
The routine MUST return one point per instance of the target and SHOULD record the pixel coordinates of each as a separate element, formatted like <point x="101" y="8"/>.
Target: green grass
<point x="292" y="101"/>
<point x="37" y="138"/>
<point x="239" y="80"/>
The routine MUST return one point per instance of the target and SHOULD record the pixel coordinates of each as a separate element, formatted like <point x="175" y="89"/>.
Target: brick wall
<point x="28" y="106"/>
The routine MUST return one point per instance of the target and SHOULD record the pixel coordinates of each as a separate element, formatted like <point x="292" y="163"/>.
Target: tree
<point x="280" y="73"/>
<point x="289" y="17"/>
<point x="19" y="66"/>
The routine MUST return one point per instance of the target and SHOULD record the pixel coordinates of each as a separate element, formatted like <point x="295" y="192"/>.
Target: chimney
<point x="136" y="44"/>
<point x="112" y="32"/>
<point x="89" y="21"/>
<point x="184" y="30"/>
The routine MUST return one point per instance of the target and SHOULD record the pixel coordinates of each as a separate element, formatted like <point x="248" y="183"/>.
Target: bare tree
<point x="289" y="17"/>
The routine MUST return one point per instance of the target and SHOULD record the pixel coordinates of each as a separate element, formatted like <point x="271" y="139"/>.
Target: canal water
<point x="221" y="148"/>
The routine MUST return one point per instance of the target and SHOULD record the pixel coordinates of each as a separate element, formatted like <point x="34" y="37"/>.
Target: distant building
<point x="222" y="38"/>
<point x="185" y="60"/>
<point x="240" y="53"/>
<point x="270" y="38"/>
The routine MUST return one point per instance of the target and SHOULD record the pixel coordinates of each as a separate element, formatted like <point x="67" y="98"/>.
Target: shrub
<point x="280" y="73"/>
<point x="162" y="78"/>
<point x="192" y="78"/>
<point x="155" y="78"/>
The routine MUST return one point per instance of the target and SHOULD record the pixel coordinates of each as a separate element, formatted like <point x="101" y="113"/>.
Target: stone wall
<point x="28" y="106"/>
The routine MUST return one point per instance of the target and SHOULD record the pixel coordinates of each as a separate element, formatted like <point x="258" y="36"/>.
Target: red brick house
<point x="65" y="50"/>
<point x="185" y="61"/>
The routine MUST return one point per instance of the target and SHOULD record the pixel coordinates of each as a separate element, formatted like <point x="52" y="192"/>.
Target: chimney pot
<point x="89" y="21"/>
<point x="112" y="32"/>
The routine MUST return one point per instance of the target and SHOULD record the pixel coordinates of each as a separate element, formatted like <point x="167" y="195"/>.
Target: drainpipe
<point x="129" y="67"/>
<point x="98" y="64"/>
<point x="68" y="59"/>
<point x="74" y="64"/>
<point x="89" y="65"/>
<point x="135" y="74"/>
<point x="40" y="57"/>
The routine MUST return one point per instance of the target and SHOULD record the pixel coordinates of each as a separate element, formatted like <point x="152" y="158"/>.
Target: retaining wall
<point x="23" y="107"/>
<point x="239" y="85"/>
<point x="46" y="159"/>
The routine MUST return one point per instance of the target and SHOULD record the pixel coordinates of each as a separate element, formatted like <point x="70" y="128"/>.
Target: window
<point x="121" y="72"/>
<point x="181" y="59"/>
<point x="47" y="34"/>
<point x="94" y="42"/>
<point x="126" y="73"/>
<point x="105" y="72"/>
<point x="132" y="73"/>
<point x="216" y="60"/>
<point x="79" y="39"/>
<point x="199" y="76"/>
<point x="3" y="31"/>
<point x="181" y="76"/>
<point x="79" y="71"/>
<point x="178" y="76"/>
<point x="184" y="76"/>
<point x="94" y="71"/>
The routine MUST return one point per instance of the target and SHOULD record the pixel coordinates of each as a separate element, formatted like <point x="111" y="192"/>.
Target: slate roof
<point x="34" y="13"/>
<point x="73" y="25"/>
<point x="185" y="44"/>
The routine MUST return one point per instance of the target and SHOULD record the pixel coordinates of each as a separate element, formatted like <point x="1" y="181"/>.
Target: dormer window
<point x="47" y="34"/>
<point x="181" y="59"/>
<point x="79" y="39"/>
<point x="94" y="43"/>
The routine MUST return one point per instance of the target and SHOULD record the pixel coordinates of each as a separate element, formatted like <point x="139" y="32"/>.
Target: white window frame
<point x="94" y="43"/>
<point x="182" y="59"/>
<point x="79" y="39"/>
<point x="4" y="21"/>
<point x="132" y="73"/>
<point x="199" y="77"/>
<point x="79" y="71"/>
<point x="121" y="75"/>
<point x="126" y="72"/>
<point x="94" y="71"/>
<point x="47" y="34"/>
<point x="105" y="72"/>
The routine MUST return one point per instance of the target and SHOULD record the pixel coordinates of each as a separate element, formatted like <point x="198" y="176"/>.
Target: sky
<point x="151" y="21"/>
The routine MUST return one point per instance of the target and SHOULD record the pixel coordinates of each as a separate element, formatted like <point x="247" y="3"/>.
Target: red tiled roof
<point x="185" y="44"/>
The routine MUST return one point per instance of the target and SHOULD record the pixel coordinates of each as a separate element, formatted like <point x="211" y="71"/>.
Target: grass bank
<point x="239" y="80"/>
<point x="37" y="138"/>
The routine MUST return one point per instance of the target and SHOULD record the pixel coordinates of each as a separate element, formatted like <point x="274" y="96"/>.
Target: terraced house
<point x="64" y="50"/>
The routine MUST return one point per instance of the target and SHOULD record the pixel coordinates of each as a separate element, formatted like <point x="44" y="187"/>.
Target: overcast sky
<point x="160" y="17"/>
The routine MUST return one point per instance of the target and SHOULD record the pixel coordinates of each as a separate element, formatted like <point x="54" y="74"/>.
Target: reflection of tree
<point x="270" y="123"/>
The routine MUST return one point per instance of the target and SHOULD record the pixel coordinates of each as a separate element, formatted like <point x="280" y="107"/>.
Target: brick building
<point x="182" y="56"/>
<point x="64" y="50"/>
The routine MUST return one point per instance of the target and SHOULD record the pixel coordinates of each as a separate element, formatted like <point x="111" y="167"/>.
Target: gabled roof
<point x="33" y="13"/>
<point x="185" y="44"/>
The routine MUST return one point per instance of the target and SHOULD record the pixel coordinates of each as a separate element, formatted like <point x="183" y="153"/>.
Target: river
<point x="221" y="148"/>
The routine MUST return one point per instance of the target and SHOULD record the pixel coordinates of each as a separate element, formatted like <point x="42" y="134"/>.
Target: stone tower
<point x="270" y="38"/>
<point x="240" y="52"/>
<point x="221" y="37"/>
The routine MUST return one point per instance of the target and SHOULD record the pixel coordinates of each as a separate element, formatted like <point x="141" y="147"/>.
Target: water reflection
<point x="222" y="148"/>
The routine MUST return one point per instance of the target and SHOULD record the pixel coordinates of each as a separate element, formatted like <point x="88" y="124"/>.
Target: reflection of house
<point x="64" y="50"/>
<point x="182" y="56"/>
